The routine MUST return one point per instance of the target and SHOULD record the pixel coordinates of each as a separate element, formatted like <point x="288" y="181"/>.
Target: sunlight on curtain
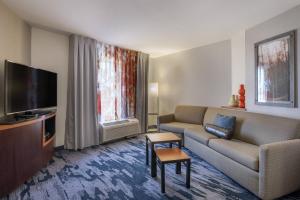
<point x="116" y="83"/>
<point x="109" y="82"/>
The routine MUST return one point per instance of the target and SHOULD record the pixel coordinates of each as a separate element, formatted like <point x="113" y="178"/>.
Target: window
<point x="116" y="83"/>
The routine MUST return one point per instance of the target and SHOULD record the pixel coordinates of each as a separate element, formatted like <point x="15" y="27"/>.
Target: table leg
<point x="153" y="161"/>
<point x="162" y="170"/>
<point x="188" y="174"/>
<point x="178" y="164"/>
<point x="147" y="152"/>
<point x="178" y="168"/>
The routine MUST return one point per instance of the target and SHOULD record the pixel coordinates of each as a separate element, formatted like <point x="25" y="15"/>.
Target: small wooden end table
<point x="159" y="138"/>
<point x="173" y="155"/>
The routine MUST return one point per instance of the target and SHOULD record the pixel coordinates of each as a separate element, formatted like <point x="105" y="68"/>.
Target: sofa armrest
<point x="279" y="168"/>
<point x="165" y="119"/>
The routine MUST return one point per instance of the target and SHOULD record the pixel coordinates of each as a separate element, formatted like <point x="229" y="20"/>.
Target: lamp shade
<point x="153" y="97"/>
<point x="153" y="89"/>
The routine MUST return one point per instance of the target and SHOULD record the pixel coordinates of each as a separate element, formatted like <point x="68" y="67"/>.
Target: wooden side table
<point x="159" y="138"/>
<point x="173" y="155"/>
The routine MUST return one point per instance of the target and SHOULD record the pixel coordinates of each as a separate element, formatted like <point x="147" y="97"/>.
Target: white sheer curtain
<point x="109" y="84"/>
<point x="117" y="82"/>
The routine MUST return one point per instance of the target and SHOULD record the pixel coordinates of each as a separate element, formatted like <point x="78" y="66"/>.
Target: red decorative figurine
<point x="242" y="96"/>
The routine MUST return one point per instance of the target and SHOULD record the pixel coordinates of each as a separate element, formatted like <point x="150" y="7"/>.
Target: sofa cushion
<point x="241" y="152"/>
<point x="258" y="129"/>
<point x="225" y="121"/>
<point x="218" y="131"/>
<point x="190" y="114"/>
<point x="199" y="134"/>
<point x="176" y="127"/>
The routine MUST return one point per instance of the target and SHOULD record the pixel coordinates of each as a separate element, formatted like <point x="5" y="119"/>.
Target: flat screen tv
<point x="28" y="89"/>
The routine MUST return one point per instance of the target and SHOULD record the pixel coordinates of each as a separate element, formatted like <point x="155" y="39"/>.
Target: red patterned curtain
<point x="127" y="62"/>
<point x="117" y="83"/>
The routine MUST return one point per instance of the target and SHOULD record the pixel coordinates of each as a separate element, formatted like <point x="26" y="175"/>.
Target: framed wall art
<point x="275" y="70"/>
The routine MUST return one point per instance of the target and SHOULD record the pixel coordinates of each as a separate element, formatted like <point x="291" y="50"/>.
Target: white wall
<point x="14" y="37"/>
<point x="199" y="76"/>
<point x="50" y="51"/>
<point x="280" y="24"/>
<point x="176" y="73"/>
<point x="14" y="42"/>
<point x="238" y="63"/>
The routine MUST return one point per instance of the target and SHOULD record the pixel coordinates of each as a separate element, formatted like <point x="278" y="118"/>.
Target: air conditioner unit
<point x="119" y="129"/>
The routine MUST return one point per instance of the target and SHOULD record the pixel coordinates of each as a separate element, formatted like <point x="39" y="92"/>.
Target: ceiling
<point x="157" y="27"/>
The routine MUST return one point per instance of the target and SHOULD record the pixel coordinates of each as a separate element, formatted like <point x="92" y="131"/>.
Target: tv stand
<point x="38" y="113"/>
<point x="19" y="118"/>
<point x="25" y="148"/>
<point x="25" y="116"/>
<point x="10" y="120"/>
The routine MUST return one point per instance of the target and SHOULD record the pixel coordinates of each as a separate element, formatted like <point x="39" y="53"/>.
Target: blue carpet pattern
<point x="117" y="171"/>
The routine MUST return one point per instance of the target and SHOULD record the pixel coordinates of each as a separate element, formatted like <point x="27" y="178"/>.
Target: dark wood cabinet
<point x="24" y="149"/>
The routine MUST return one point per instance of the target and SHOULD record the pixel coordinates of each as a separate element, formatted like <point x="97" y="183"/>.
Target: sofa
<point x="263" y="155"/>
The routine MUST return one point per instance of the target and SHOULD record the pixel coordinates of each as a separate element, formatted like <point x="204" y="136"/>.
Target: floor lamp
<point x="154" y="106"/>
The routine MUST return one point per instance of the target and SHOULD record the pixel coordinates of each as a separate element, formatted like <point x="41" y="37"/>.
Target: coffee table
<point x="173" y="155"/>
<point x="159" y="138"/>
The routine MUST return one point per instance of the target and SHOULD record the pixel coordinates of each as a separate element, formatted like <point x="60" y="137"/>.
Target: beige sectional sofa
<point x="263" y="155"/>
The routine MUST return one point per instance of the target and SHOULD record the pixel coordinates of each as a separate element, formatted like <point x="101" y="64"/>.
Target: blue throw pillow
<point x="219" y="131"/>
<point x="224" y="121"/>
<point x="223" y="126"/>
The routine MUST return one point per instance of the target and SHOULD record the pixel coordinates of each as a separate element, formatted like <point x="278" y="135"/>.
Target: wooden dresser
<point x="25" y="148"/>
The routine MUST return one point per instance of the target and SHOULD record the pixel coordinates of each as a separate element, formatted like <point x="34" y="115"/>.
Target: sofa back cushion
<point x="190" y="114"/>
<point x="257" y="128"/>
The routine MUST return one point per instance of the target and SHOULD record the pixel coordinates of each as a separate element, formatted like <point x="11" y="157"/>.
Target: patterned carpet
<point x="117" y="171"/>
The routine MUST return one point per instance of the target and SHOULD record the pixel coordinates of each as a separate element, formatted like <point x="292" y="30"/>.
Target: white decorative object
<point x="119" y="129"/>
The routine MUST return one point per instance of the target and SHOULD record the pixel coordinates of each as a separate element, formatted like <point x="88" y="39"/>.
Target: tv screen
<point x="28" y="88"/>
